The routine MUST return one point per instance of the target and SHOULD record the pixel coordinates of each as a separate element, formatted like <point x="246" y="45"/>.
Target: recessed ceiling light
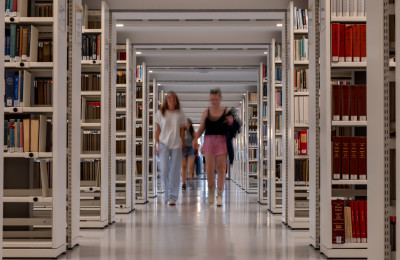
<point x="138" y="52"/>
<point x="265" y="52"/>
<point x="279" y="24"/>
<point x="244" y="94"/>
<point x="159" y="84"/>
<point x="119" y="25"/>
<point x="150" y="71"/>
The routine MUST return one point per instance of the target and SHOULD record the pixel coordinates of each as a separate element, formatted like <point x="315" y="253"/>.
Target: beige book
<point x="348" y="232"/>
<point x="44" y="178"/>
<point x="34" y="135"/>
<point x="42" y="133"/>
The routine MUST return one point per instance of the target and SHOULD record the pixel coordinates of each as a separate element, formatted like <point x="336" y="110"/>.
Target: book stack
<point x="349" y="42"/>
<point x="349" y="102"/>
<point x="91" y="47"/>
<point x="252" y="97"/>
<point x="349" y="221"/>
<point x="121" y="77"/>
<point x="278" y="99"/>
<point x="139" y="73"/>
<point x="301" y="175"/>
<point x="120" y="169"/>
<point x="278" y="75"/>
<point x="301" y="110"/>
<point x="90" y="173"/>
<point x="121" y="145"/>
<point x="27" y="135"/>
<point x="348" y="8"/>
<point x="278" y="123"/>
<point x="93" y="111"/>
<point x="90" y="82"/>
<point x="42" y="8"/>
<point x="252" y="168"/>
<point x="349" y="158"/>
<point x="300" y="49"/>
<point x="301" y="80"/>
<point x="301" y="142"/>
<point x="278" y="51"/>
<point x="300" y="19"/>
<point x="22" y="44"/>
<point x="121" y="123"/>
<point x="91" y="141"/>
<point x="121" y="99"/>
<point x="278" y="147"/>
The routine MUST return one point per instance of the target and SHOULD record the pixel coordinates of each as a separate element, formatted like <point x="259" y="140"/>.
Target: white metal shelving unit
<point x="2" y="92"/>
<point x="275" y="182"/>
<point x="123" y="181"/>
<point x="251" y="178"/>
<point x="152" y="102"/>
<point x="296" y="218"/>
<point x="353" y="188"/>
<point x="22" y="213"/>
<point x="263" y="119"/>
<point x="159" y="101"/>
<point x="141" y="177"/>
<point x="95" y="198"/>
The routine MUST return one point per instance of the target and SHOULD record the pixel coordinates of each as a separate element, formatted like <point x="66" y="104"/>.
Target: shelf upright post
<point x="131" y="121"/>
<point x="129" y="124"/>
<point x="397" y="22"/>
<point x="2" y="90"/>
<point x="262" y="158"/>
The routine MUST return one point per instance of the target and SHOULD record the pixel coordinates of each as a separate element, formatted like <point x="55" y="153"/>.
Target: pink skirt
<point x="214" y="145"/>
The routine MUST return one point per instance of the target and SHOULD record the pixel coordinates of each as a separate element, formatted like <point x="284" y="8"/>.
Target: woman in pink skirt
<point x="215" y="122"/>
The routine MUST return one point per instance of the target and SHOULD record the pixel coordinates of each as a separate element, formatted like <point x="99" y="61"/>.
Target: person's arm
<point x="158" y="131"/>
<point x="183" y="139"/>
<point x="200" y="130"/>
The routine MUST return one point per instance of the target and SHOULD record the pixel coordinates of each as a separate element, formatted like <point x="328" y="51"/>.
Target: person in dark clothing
<point x="231" y="133"/>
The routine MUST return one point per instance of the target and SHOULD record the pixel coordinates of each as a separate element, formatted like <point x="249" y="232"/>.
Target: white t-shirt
<point x="170" y="125"/>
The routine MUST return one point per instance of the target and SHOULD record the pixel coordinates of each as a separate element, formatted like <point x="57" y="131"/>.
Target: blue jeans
<point x="171" y="163"/>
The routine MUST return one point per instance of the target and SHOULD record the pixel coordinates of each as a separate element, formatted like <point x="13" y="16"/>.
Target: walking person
<point x="188" y="155"/>
<point x="215" y="121"/>
<point x="170" y="143"/>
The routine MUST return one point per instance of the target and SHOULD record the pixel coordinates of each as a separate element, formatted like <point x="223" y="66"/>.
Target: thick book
<point x="362" y="158"/>
<point x="5" y="145"/>
<point x="303" y="137"/>
<point x="363" y="43"/>
<point x="356" y="43"/>
<point x="353" y="102"/>
<point x="335" y="41"/>
<point x="336" y="157"/>
<point x="345" y="158"/>
<point x="345" y="104"/>
<point x="10" y="88"/>
<point x="348" y="227"/>
<point x="342" y="31"/>
<point x="27" y="134"/>
<point x="362" y="102"/>
<point x="338" y="228"/>
<point x="353" y="219"/>
<point x="336" y="98"/>
<point x="363" y="223"/>
<point x="357" y="221"/>
<point x="16" y="90"/>
<point x="21" y="136"/>
<point x="354" y="158"/>
<point x="34" y="135"/>
<point x="349" y="43"/>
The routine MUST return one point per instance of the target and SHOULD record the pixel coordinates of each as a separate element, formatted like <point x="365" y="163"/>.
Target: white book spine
<point x="333" y="8"/>
<point x="361" y="8"/>
<point x="346" y="8"/>
<point x="353" y="8"/>
<point x="339" y="8"/>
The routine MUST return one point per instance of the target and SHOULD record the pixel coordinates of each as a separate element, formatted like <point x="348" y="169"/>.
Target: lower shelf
<point x="299" y="223"/>
<point x="31" y="249"/>
<point x="123" y="209"/>
<point x="345" y="251"/>
<point x="90" y="222"/>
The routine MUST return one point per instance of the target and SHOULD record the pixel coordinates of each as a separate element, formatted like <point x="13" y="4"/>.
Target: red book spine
<point x="357" y="221"/>
<point x="362" y="158"/>
<point x="345" y="102"/>
<point x="303" y="136"/>
<point x="353" y="102"/>
<point x="353" y="226"/>
<point x="15" y="7"/>
<point x="337" y="221"/>
<point x="345" y="158"/>
<point x="342" y="30"/>
<point x="336" y="97"/>
<point x="366" y="219"/>
<point x="335" y="42"/>
<point x="263" y="71"/>
<point x="363" y="234"/>
<point x="353" y="158"/>
<point x="123" y="55"/>
<point x="363" y="47"/>
<point x="349" y="43"/>
<point x="98" y="47"/>
<point x="337" y="157"/>
<point x="362" y="102"/>
<point x="356" y="43"/>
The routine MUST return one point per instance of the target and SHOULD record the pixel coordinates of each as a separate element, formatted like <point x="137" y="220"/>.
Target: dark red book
<point x="363" y="234"/>
<point x="303" y="137"/>
<point x="345" y="108"/>
<point x="122" y="55"/>
<point x="337" y="157"/>
<point x="354" y="158"/>
<point x="345" y="158"/>
<point x="349" y="43"/>
<point x="336" y="98"/>
<point x="356" y="43"/>
<point x="98" y="47"/>
<point x="362" y="102"/>
<point x="362" y="158"/>
<point x="357" y="221"/>
<point x="353" y="218"/>
<point x="342" y="30"/>
<point x="264" y="71"/>
<point x="335" y="41"/>
<point x="337" y="221"/>
<point x="353" y="102"/>
<point x="363" y="43"/>
<point x="366" y="218"/>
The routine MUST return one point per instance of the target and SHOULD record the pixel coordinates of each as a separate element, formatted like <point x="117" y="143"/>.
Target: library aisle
<point x="241" y="229"/>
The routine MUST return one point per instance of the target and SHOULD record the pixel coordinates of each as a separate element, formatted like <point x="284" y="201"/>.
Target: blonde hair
<point x="164" y="106"/>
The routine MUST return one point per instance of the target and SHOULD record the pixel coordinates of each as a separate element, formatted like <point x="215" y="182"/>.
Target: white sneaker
<point x="219" y="197"/>
<point x="211" y="195"/>
<point x="172" y="202"/>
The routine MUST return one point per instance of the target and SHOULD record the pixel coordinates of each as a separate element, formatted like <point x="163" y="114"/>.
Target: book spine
<point x="349" y="43"/>
<point x="337" y="221"/>
<point x="362" y="102"/>
<point x="17" y="44"/>
<point x="345" y="158"/>
<point x="363" y="42"/>
<point x="11" y="148"/>
<point x="354" y="158"/>
<point x="13" y="41"/>
<point x="99" y="47"/>
<point x="353" y="102"/>
<point x="21" y="136"/>
<point x="28" y="51"/>
<point x="345" y="98"/>
<point x="342" y="31"/>
<point x="7" y="49"/>
<point x="346" y="8"/>
<point x="335" y="42"/>
<point x="363" y="234"/>
<point x="17" y="135"/>
<point x="5" y="145"/>
<point x="362" y="157"/>
<point x="337" y="157"/>
<point x="353" y="219"/>
<point x="339" y="8"/>
<point x="357" y="221"/>
<point x="336" y="97"/>
<point x="356" y="43"/>
<point x="353" y="8"/>
<point x="10" y="87"/>
<point x="303" y="137"/>
<point x="16" y="90"/>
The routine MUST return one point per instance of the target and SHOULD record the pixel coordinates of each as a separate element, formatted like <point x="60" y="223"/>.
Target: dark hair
<point x="164" y="106"/>
<point x="216" y="91"/>
<point x="191" y="130"/>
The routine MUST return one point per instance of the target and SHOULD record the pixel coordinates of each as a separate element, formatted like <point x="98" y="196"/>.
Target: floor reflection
<point x="241" y="229"/>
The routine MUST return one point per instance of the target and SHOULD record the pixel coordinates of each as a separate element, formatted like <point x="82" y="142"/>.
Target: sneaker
<point x="171" y="202"/>
<point x="219" y="197"/>
<point x="184" y="186"/>
<point x="211" y="195"/>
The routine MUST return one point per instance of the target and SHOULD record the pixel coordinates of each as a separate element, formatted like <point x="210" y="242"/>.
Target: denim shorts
<point x="189" y="152"/>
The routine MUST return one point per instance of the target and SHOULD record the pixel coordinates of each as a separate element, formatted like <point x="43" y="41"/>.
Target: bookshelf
<point x="124" y="136"/>
<point x="295" y="208"/>
<point x="141" y="177"/>
<point x="152" y="102"/>
<point x="95" y="127"/>
<point x="159" y="101"/>
<point x="341" y="143"/>
<point x="263" y="117"/>
<point x="274" y="104"/>
<point x="239" y="163"/>
<point x="252" y="147"/>
<point x="243" y="145"/>
<point x="2" y="92"/>
<point x="34" y="223"/>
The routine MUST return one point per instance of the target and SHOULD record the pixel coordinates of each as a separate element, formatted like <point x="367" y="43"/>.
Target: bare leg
<point x="221" y="169"/>
<point x="210" y="159"/>
<point x="190" y="162"/>
<point x="184" y="170"/>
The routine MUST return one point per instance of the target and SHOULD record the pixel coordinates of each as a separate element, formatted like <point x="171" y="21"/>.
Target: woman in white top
<point x="170" y="143"/>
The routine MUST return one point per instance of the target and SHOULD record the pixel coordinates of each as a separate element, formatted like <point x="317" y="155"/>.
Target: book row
<point x="278" y="171"/>
<point x="139" y="149"/>
<point x="265" y="90"/>
<point x="253" y="97"/>
<point x="139" y="131"/>
<point x="138" y="169"/>
<point x="301" y="110"/>
<point x="120" y="169"/>
<point x="28" y="135"/>
<point x="93" y="111"/>
<point x="252" y="168"/>
<point x="301" y="174"/>
<point x="348" y="8"/>
<point x="91" y="47"/>
<point x="300" y="49"/>
<point x="264" y="111"/>
<point x="90" y="82"/>
<point x="278" y="123"/>
<point x="300" y="80"/>
<point x="349" y="42"/>
<point x="139" y="92"/>
<point x="139" y="73"/>
<point x="90" y="173"/>
<point x="265" y="131"/>
<point x="349" y="158"/>
<point x="121" y="146"/>
<point x="278" y="147"/>
<point x="253" y="125"/>
<point x="121" y="55"/>
<point x="253" y="139"/>
<point x="349" y="102"/>
<point x="121" y="99"/>
<point x="121" y="77"/>
<point x="252" y="111"/>
<point x="264" y="72"/>
<point x="19" y="91"/>
<point x="300" y="19"/>
<point x="301" y="142"/>
<point x="278" y="99"/>
<point x="278" y="51"/>
<point x="139" y="111"/>
<point x="278" y="75"/>
<point x="94" y="24"/>
<point x="121" y="123"/>
<point x="26" y="8"/>
<point x="253" y="154"/>
<point x="91" y="141"/>
<point x="349" y="221"/>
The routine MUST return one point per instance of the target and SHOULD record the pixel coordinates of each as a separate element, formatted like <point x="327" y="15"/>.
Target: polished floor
<point x="241" y="229"/>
